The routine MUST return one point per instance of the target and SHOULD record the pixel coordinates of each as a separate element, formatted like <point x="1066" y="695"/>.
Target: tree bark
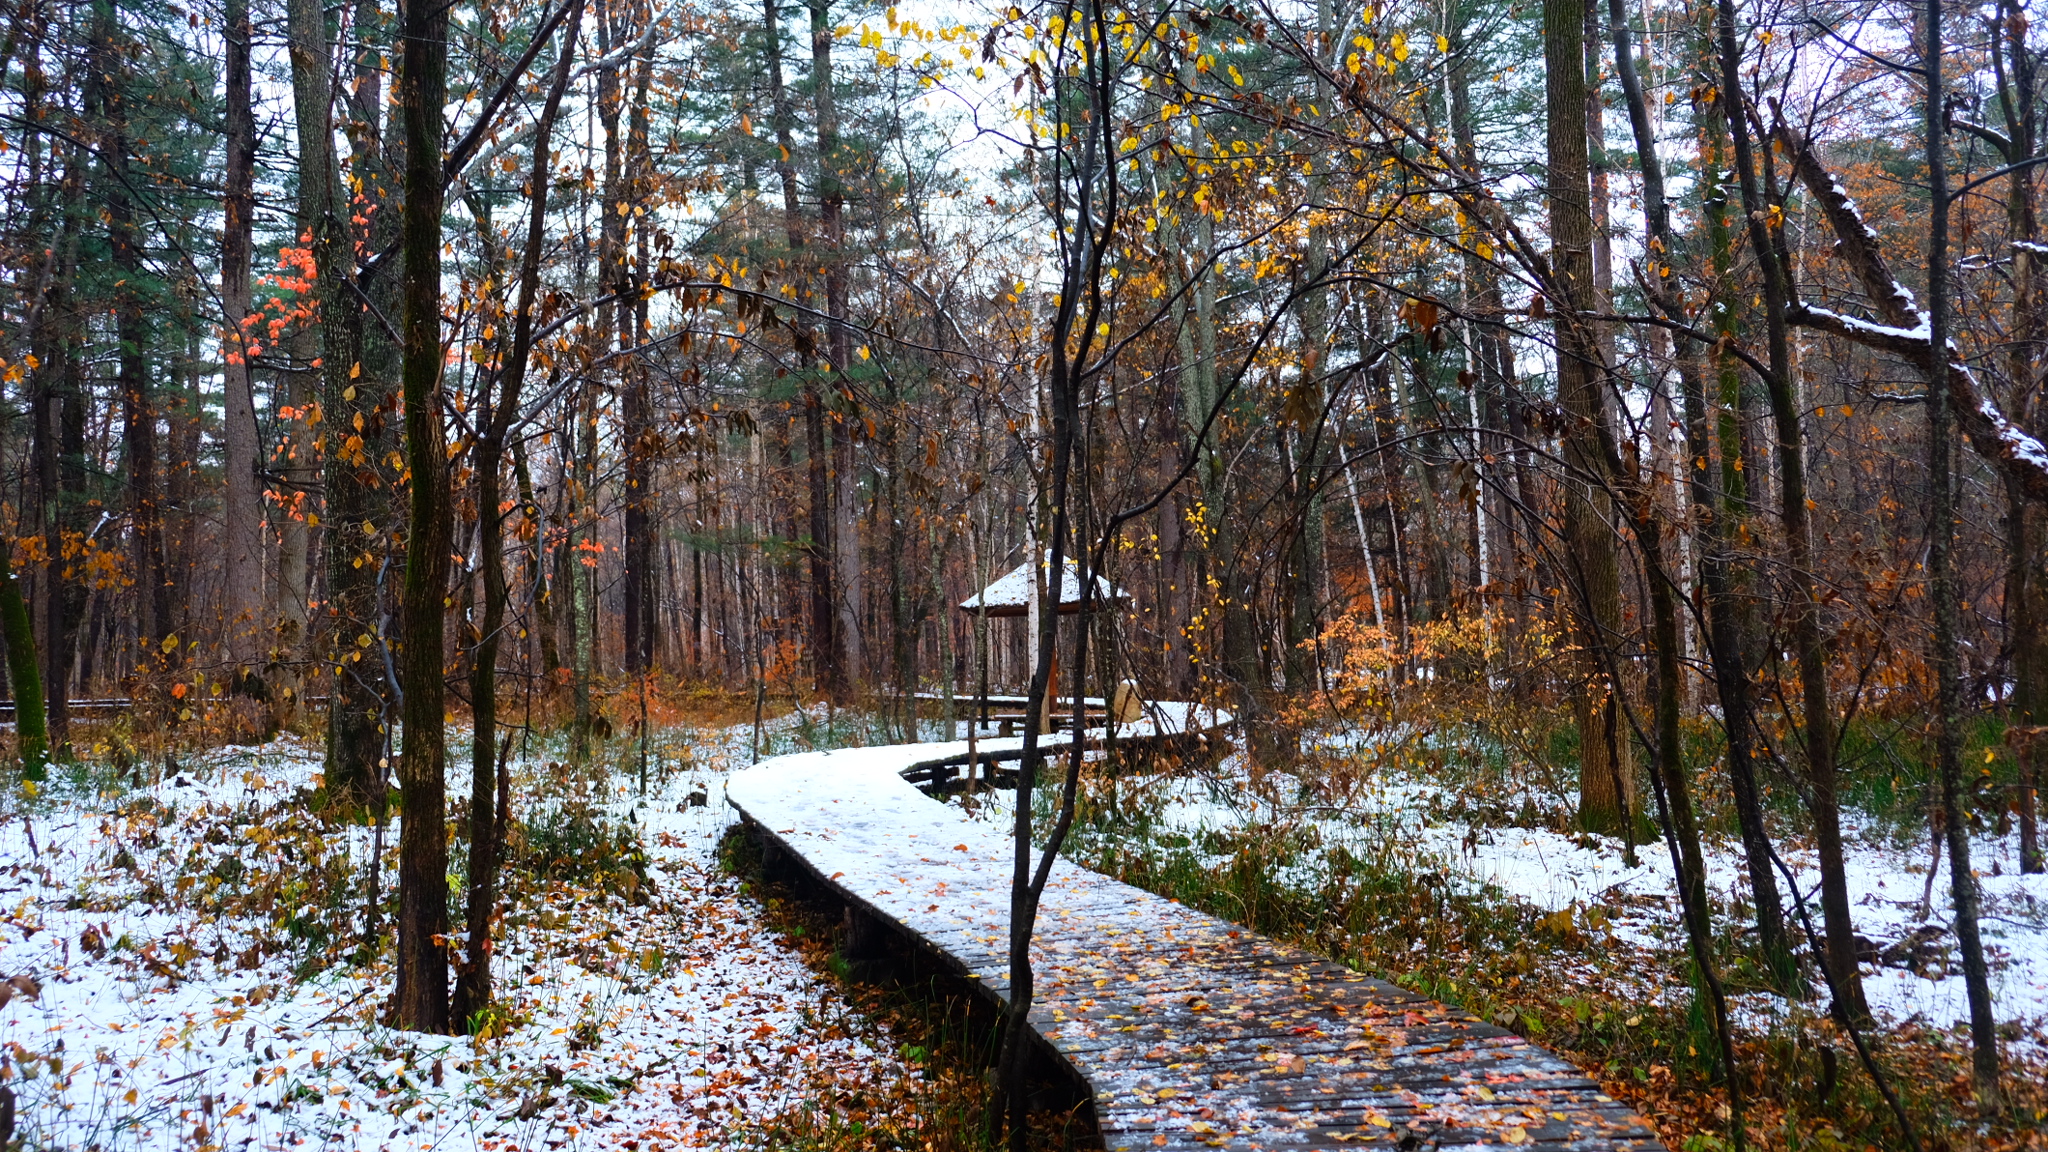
<point x="2026" y="615"/>
<point x="107" y="100"/>
<point x="24" y="674"/>
<point x="537" y="579"/>
<point x="357" y="708"/>
<point x="59" y="412"/>
<point x="2026" y="587"/>
<point x="1941" y="512"/>
<point x="1606" y="801"/>
<point x="1727" y="642"/>
<point x="828" y="656"/>
<point x="641" y="443"/>
<point x="839" y="346"/>
<point x="498" y="417"/>
<point x="1808" y="639"/>
<point x="241" y="499"/>
<point x="421" y="1003"/>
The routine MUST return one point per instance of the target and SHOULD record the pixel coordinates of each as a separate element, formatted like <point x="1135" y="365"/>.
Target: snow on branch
<point x="1903" y="330"/>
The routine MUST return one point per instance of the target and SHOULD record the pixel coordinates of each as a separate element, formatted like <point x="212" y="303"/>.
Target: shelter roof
<point x="1010" y="594"/>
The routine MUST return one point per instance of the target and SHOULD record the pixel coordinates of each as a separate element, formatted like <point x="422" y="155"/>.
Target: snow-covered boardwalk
<point x="1189" y="1030"/>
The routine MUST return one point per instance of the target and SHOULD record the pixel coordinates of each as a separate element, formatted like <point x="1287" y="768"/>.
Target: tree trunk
<point x="1606" y="801"/>
<point x="1808" y="638"/>
<point x="59" y="435"/>
<point x="1727" y="643"/>
<point x="582" y="569"/>
<point x="24" y="674"/>
<point x="2026" y="614"/>
<point x="1941" y="531"/>
<point x="1674" y="788"/>
<point x="241" y="499"/>
<point x="839" y="348"/>
<point x="2026" y="586"/>
<point x="107" y="98"/>
<point x="641" y="443"/>
<point x="1598" y="166"/>
<point x="421" y="1004"/>
<point x="828" y="657"/>
<point x="537" y="577"/>
<point x="497" y="418"/>
<point x="357" y="709"/>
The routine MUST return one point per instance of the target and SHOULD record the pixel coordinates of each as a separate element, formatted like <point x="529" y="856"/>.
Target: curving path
<point x="1189" y="1030"/>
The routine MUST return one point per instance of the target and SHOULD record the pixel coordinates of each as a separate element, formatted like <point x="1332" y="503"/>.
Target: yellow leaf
<point x="1442" y="45"/>
<point x="1516" y="1135"/>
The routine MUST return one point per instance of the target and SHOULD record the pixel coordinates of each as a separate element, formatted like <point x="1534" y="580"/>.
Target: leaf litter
<point x="176" y="972"/>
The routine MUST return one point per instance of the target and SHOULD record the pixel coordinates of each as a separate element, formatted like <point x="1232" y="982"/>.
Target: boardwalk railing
<point x="1187" y="1031"/>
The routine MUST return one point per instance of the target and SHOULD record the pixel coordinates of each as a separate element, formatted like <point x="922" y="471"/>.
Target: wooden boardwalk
<point x="1190" y="1031"/>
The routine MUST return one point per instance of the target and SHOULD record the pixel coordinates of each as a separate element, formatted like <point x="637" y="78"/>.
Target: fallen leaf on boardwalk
<point x="1516" y="1135"/>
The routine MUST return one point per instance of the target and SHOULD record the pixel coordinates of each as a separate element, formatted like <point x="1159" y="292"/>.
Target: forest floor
<point x="181" y="959"/>
<point x="179" y="969"/>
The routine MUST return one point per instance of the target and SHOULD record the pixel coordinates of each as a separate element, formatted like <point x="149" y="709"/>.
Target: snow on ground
<point x="163" y="991"/>
<point x="1551" y="872"/>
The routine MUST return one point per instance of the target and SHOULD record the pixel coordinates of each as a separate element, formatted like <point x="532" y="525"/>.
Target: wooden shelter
<point x="1015" y="594"/>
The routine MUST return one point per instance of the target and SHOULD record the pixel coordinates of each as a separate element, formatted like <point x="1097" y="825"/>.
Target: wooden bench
<point x="1188" y="1031"/>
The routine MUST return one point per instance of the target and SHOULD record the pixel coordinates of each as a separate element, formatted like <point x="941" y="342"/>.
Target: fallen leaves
<point x="24" y="986"/>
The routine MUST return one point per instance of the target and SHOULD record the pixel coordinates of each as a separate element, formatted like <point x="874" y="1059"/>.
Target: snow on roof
<point x="1011" y="594"/>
